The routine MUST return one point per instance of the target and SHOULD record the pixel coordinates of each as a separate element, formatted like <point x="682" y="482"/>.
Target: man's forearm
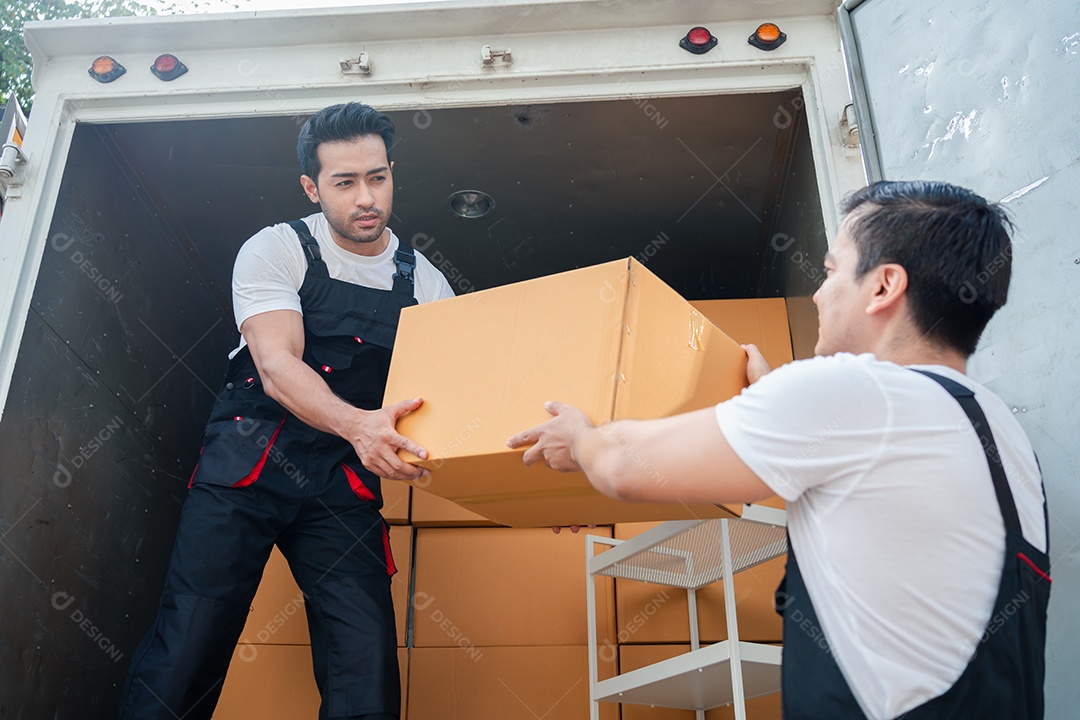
<point x="303" y="393"/>
<point x="604" y="454"/>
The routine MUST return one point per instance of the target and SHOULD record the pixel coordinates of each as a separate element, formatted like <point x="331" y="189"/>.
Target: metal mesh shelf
<point x="689" y="554"/>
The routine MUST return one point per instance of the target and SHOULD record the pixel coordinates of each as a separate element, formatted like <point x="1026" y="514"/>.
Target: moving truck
<point x="533" y="138"/>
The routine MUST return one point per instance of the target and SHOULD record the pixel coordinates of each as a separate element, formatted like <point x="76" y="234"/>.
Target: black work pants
<point x="336" y="543"/>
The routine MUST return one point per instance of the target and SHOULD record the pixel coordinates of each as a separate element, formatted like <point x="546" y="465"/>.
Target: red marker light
<point x="105" y="69"/>
<point x="767" y="37"/>
<point x="699" y="40"/>
<point x="168" y="67"/>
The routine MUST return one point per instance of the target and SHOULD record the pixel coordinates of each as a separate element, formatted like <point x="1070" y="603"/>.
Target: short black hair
<point x="954" y="245"/>
<point x="336" y="123"/>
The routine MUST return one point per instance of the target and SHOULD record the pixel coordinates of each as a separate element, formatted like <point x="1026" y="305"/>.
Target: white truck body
<point x="724" y="170"/>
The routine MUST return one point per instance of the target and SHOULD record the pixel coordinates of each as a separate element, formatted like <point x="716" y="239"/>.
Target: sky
<point x="246" y="5"/>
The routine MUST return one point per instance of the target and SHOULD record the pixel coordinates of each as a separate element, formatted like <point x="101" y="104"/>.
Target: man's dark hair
<point x="953" y="244"/>
<point x="338" y="123"/>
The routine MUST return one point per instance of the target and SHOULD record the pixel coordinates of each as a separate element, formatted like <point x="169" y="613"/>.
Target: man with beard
<point x="297" y="441"/>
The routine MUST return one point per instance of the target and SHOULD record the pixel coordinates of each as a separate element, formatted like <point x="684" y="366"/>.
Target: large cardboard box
<point x="505" y="587"/>
<point x="503" y="683"/>
<point x="276" y="682"/>
<point x="647" y="613"/>
<point x="433" y="511"/>
<point x="277" y="611"/>
<point x="396" y="501"/>
<point x="612" y="339"/>
<point x="633" y="657"/>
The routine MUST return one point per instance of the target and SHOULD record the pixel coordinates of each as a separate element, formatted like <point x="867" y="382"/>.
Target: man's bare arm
<point x="276" y="341"/>
<point x="683" y="458"/>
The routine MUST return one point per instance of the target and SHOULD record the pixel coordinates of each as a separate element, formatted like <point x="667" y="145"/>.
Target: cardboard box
<point x="277" y="610"/>
<point x="612" y="339"/>
<point x="433" y="511"/>
<point x="633" y="657"/>
<point x="505" y="587"/>
<point x="276" y="682"/>
<point x="277" y="614"/>
<point x="647" y="613"/>
<point x="503" y="683"/>
<point x="396" y="501"/>
<point x="761" y="321"/>
<point x="401" y="545"/>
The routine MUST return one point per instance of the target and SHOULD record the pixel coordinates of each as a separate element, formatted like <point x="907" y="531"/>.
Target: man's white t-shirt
<point x="271" y="265"/>
<point x="891" y="511"/>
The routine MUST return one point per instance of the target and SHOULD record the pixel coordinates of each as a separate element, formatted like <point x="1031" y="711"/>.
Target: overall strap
<point x="966" y="398"/>
<point x="315" y="263"/>
<point x="405" y="259"/>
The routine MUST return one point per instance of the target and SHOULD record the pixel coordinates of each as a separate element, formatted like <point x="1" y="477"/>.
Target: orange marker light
<point x="105" y="69"/>
<point x="768" y="36"/>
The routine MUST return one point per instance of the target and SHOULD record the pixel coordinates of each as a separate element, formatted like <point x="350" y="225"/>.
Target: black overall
<point x="1004" y="678"/>
<point x="265" y="477"/>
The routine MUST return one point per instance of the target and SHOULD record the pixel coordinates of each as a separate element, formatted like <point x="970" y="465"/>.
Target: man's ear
<point x="310" y="188"/>
<point x="889" y="283"/>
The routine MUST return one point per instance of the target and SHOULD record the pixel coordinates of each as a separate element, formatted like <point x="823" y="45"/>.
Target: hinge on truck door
<point x="849" y="127"/>
<point x="489" y="56"/>
<point x="360" y="66"/>
<point x="12" y="162"/>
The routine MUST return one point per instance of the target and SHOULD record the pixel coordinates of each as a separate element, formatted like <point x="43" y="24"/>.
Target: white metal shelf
<point x="700" y="679"/>
<point x="691" y="554"/>
<point x="688" y="554"/>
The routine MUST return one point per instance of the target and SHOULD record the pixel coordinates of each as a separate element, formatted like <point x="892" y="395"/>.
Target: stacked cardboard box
<point x="500" y="625"/>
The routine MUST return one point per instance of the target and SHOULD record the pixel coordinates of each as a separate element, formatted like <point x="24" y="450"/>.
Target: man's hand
<point x="374" y="435"/>
<point x="554" y="440"/>
<point x="756" y="365"/>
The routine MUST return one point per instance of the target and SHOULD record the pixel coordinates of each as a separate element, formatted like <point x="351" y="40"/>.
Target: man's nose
<point x="363" y="197"/>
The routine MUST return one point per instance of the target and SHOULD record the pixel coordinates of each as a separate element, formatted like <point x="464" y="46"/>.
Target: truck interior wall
<point x="102" y="424"/>
<point x="792" y="240"/>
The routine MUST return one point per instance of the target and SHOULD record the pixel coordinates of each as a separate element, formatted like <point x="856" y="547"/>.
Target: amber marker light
<point x="105" y="69"/>
<point x="767" y="37"/>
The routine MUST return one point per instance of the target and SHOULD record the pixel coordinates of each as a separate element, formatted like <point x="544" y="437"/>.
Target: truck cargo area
<point x="131" y="324"/>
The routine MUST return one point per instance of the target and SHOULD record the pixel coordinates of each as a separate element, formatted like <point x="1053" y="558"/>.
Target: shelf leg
<point x="732" y="625"/>
<point x="691" y="604"/>
<point x="590" y="594"/>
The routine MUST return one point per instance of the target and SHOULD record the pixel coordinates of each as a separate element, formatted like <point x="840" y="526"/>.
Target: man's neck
<point x="908" y="349"/>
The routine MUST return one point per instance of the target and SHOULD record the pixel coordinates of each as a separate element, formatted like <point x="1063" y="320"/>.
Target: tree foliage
<point x="15" y="61"/>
